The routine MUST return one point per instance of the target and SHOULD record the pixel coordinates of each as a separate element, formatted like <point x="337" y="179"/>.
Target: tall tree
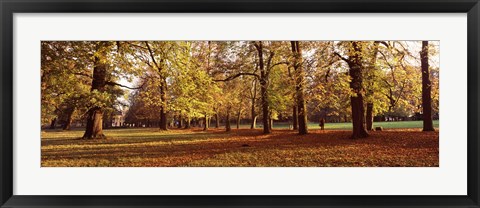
<point x="299" y="88"/>
<point x="104" y="88"/>
<point x="263" y="88"/>
<point x="159" y="65"/>
<point x="426" y="89"/>
<point x="94" y="128"/>
<point x="355" y="64"/>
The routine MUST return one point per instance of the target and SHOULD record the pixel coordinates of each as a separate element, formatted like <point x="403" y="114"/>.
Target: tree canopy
<point x="178" y="84"/>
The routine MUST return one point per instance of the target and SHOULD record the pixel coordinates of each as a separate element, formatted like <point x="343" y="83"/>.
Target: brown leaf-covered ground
<point x="244" y="147"/>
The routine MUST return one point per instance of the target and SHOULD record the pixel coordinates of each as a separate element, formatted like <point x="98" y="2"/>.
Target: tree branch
<point x="237" y="75"/>
<point x="341" y="57"/>
<point x="279" y="63"/>
<point x="383" y="43"/>
<point x="135" y="45"/>
<point x="124" y="86"/>
<point x="151" y="55"/>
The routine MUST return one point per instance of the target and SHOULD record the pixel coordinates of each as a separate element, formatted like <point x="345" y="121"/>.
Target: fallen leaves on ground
<point x="241" y="148"/>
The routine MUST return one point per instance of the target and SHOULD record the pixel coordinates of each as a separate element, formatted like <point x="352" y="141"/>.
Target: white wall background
<point x="448" y="179"/>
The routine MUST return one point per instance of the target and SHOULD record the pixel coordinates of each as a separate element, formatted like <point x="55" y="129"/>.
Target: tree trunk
<point x="254" y="97"/>
<point x="188" y="123"/>
<point x="239" y="113"/>
<point x="163" y="88"/>
<point x="94" y="129"/>
<point x="180" y="121"/>
<point x="254" y="123"/>
<point x="53" y="123"/>
<point x="68" y="121"/>
<point x="254" y="118"/>
<point x="217" y="121"/>
<point x="295" y="117"/>
<point x="426" y="89"/>
<point x="270" y="123"/>
<point x="265" y="108"/>
<point x="358" y="110"/>
<point x="263" y="89"/>
<point x="207" y="122"/>
<point x="227" y="122"/>
<point x="299" y="89"/>
<point x="369" y="117"/>
<point x="163" y="107"/>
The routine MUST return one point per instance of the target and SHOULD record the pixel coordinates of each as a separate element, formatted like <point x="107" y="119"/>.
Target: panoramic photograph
<point x="248" y="103"/>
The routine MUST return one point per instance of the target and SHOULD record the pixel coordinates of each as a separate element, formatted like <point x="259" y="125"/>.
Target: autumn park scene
<point x="240" y="103"/>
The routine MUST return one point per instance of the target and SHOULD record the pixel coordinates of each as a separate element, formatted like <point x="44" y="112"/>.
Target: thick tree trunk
<point x="94" y="124"/>
<point x="299" y="89"/>
<point x="217" y="121"/>
<point x="68" y="120"/>
<point x="358" y="109"/>
<point x="227" y="121"/>
<point x="94" y="128"/>
<point x="53" y="123"/>
<point x="369" y="116"/>
<point x="163" y="119"/>
<point x="426" y="89"/>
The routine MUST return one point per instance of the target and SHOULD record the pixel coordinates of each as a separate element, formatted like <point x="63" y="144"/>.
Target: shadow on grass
<point x="181" y="147"/>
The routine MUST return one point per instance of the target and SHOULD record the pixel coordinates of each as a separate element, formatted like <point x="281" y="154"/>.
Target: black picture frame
<point x="9" y="7"/>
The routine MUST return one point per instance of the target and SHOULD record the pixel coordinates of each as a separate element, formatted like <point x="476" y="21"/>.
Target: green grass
<point x="348" y="126"/>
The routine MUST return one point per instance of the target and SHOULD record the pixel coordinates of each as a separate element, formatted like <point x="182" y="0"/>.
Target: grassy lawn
<point x="149" y="147"/>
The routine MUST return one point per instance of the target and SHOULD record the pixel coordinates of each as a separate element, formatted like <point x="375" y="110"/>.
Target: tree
<point x="299" y="89"/>
<point x="64" y="86"/>
<point x="355" y="64"/>
<point x="426" y="89"/>
<point x="159" y="65"/>
<point x="103" y="77"/>
<point x="264" y="75"/>
<point x="94" y="129"/>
